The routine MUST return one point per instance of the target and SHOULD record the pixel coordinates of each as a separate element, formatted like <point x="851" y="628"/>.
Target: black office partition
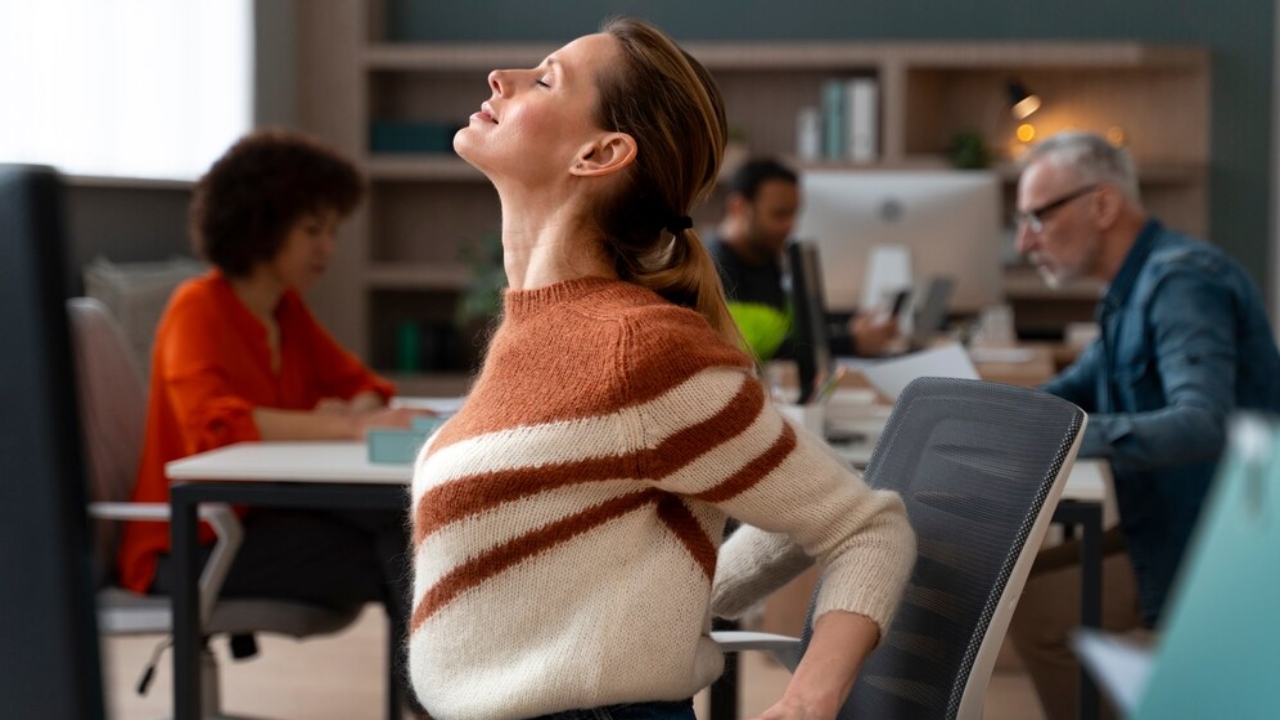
<point x="49" y="662"/>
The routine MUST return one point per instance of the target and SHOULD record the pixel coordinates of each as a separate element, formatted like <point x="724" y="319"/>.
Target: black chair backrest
<point x="975" y="463"/>
<point x="50" y="666"/>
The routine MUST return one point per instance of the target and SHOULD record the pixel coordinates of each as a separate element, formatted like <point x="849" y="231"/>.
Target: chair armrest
<point x="226" y="528"/>
<point x="153" y="512"/>
<point x="785" y="649"/>
<point x="229" y="533"/>
<point x="156" y="512"/>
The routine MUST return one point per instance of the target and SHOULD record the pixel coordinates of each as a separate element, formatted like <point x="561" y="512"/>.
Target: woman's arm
<point x="326" y="424"/>
<point x="841" y="641"/>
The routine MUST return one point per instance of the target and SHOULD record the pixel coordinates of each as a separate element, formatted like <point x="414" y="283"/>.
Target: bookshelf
<point x="401" y="255"/>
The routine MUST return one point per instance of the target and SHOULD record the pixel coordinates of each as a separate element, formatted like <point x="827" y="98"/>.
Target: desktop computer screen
<point x="809" y="324"/>
<point x="948" y="221"/>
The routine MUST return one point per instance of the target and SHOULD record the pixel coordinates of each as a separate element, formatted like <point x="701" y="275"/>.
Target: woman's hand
<point x="363" y="403"/>
<point x="786" y="709"/>
<point x="386" y="418"/>
<point x="841" y="641"/>
<point x="367" y="401"/>
<point x="873" y="333"/>
<point x="333" y="406"/>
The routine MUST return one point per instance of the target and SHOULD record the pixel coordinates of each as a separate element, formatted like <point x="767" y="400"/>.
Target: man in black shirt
<point x="760" y="213"/>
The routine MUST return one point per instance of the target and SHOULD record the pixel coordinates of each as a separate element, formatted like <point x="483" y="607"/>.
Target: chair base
<point x="211" y="691"/>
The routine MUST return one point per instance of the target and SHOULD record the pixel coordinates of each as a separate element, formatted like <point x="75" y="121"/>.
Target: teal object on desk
<point x="428" y="423"/>
<point x="394" y="446"/>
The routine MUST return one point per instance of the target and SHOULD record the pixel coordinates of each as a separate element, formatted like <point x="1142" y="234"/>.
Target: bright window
<point x="124" y="88"/>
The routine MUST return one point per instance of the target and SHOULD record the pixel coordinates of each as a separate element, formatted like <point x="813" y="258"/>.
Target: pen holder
<point x="809" y="417"/>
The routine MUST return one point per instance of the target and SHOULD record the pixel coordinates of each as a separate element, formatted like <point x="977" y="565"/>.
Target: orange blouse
<point x="210" y="367"/>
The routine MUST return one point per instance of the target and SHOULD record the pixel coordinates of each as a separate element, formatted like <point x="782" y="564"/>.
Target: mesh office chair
<point x="980" y="467"/>
<point x="113" y="412"/>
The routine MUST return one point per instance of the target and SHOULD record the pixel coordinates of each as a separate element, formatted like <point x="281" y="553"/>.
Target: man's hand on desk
<point x="873" y="332"/>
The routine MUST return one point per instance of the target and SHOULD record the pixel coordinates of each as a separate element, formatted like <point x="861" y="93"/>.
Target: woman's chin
<point x="464" y="144"/>
<point x="464" y="148"/>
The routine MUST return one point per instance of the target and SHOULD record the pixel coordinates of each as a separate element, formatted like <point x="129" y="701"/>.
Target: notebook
<point x="1219" y="651"/>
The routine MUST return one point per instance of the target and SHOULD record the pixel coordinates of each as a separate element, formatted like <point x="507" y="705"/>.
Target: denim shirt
<point x="1184" y="341"/>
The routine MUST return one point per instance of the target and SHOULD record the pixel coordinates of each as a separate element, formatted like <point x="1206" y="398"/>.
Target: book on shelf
<point x="850" y="120"/>
<point x="863" y="119"/>
<point x="809" y="134"/>
<point x="835" y="116"/>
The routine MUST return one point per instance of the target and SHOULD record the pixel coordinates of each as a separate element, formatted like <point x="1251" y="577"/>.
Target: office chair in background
<point x="980" y="467"/>
<point x="113" y="413"/>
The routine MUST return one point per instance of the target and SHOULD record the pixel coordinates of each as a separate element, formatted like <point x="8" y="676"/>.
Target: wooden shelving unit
<point x="401" y="257"/>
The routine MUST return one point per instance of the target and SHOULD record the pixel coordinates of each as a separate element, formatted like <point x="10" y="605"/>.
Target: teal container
<point x="394" y="446"/>
<point x="428" y="423"/>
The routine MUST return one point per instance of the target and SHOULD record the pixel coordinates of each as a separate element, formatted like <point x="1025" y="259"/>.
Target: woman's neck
<point x="260" y="293"/>
<point x="546" y="242"/>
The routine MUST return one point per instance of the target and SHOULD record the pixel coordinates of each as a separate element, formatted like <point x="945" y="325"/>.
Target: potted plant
<point x="479" y="305"/>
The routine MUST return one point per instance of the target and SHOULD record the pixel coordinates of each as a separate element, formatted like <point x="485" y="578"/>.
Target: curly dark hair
<point x="245" y="204"/>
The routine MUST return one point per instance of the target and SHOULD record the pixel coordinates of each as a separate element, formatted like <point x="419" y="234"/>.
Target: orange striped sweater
<point x="566" y="521"/>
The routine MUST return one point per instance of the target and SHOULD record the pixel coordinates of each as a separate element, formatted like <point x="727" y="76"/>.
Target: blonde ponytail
<point x="685" y="273"/>
<point x="668" y="102"/>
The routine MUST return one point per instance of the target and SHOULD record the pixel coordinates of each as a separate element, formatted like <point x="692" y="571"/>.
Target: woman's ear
<point x="608" y="154"/>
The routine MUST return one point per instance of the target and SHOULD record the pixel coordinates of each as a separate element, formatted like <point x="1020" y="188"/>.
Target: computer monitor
<point x="930" y="312"/>
<point x="948" y="220"/>
<point x="809" y="324"/>
<point x="50" y="665"/>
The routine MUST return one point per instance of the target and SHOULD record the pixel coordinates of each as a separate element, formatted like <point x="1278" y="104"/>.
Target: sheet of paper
<point x="891" y="376"/>
<point x="443" y="406"/>
<point x="1000" y="354"/>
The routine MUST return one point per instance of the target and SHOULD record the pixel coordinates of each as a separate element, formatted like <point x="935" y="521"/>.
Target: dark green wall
<point x="1239" y="34"/>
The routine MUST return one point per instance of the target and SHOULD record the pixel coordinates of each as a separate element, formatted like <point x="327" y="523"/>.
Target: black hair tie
<point x="680" y="224"/>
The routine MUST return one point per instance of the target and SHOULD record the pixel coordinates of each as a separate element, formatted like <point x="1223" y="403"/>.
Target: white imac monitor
<point x="948" y="221"/>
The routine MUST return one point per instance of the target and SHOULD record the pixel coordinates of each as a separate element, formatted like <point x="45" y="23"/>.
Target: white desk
<point x="310" y="462"/>
<point x="338" y="474"/>
<point x="288" y="475"/>
<point x="346" y="462"/>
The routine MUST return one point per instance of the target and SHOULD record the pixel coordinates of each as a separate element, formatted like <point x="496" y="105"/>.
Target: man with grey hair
<point x="1184" y="341"/>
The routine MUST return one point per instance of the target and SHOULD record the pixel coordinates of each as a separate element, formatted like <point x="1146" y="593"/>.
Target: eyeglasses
<point x="1034" y="219"/>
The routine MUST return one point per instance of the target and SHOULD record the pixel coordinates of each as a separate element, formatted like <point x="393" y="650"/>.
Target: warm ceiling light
<point x="1026" y="132"/>
<point x="1022" y="101"/>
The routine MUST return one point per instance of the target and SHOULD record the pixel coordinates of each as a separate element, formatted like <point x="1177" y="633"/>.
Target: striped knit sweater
<point x="566" y="521"/>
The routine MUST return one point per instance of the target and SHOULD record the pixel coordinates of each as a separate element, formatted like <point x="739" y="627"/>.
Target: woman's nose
<point x="496" y="81"/>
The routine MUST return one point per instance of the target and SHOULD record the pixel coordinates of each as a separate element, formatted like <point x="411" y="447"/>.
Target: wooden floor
<point x="341" y="678"/>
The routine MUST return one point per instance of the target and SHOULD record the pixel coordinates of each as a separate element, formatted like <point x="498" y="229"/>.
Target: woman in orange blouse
<point x="238" y="357"/>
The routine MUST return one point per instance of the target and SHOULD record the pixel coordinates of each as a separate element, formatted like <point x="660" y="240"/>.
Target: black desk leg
<point x="724" y="691"/>
<point x="186" y="609"/>
<point x="1090" y="595"/>
<point x="393" y="678"/>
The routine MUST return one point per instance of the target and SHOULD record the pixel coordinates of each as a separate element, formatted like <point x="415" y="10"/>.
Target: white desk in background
<point x="339" y="474"/>
<point x="346" y="462"/>
<point x="293" y="475"/>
